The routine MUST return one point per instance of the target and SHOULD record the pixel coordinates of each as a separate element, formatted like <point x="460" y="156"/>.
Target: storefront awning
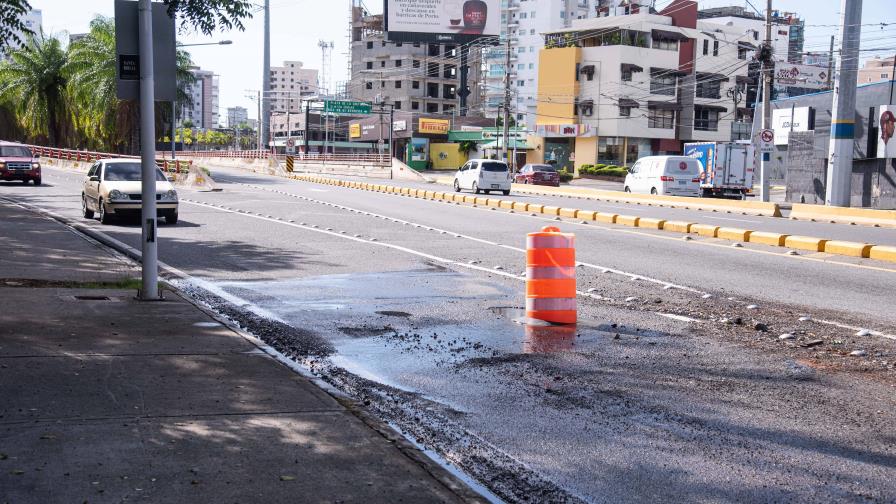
<point x="631" y="67"/>
<point x="669" y="35"/>
<point x="514" y="144"/>
<point x="628" y="102"/>
<point x="661" y="105"/>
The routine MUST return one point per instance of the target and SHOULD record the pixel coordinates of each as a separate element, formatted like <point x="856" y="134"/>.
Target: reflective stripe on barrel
<point x="550" y="276"/>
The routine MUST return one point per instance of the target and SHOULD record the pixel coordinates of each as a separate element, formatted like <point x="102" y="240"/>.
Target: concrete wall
<point x="446" y="156"/>
<point x="873" y="180"/>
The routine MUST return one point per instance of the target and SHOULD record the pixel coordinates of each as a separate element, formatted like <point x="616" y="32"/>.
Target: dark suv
<point x="17" y="163"/>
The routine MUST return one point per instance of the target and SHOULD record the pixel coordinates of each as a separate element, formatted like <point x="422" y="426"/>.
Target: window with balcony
<point x="415" y="84"/>
<point x="450" y="72"/>
<point x="665" y="44"/>
<point x="660" y="118"/>
<point x="706" y="119"/>
<point x="398" y="63"/>
<point x="451" y="51"/>
<point x="709" y="87"/>
<point x="398" y="84"/>
<point x="370" y="65"/>
<point x="432" y="108"/>
<point x="415" y="105"/>
<point x="434" y="50"/>
<point x="448" y="92"/>
<point x="432" y="69"/>
<point x="432" y="90"/>
<point x="397" y="105"/>
<point x="662" y="83"/>
<point x="415" y="63"/>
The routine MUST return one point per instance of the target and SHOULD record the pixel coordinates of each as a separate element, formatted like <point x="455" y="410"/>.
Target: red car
<point x="538" y="174"/>
<point x="17" y="163"/>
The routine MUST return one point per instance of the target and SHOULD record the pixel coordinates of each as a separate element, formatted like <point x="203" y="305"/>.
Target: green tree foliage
<point x="11" y="22"/>
<point x="33" y="81"/>
<point x="210" y="15"/>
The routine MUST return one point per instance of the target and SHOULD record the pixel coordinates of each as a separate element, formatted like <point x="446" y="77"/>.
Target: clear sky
<point x="298" y="25"/>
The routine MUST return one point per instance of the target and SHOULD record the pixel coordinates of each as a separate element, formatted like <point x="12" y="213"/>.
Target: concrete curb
<point x="808" y="243"/>
<point x="844" y="215"/>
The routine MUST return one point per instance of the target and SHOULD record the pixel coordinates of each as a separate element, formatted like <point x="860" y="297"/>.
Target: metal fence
<point x="169" y="165"/>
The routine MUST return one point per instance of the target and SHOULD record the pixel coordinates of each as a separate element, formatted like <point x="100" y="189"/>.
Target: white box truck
<point x="726" y="168"/>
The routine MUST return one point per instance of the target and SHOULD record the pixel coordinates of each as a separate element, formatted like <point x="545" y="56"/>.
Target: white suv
<point x="483" y="175"/>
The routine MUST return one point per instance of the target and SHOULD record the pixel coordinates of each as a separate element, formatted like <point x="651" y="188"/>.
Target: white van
<point x="483" y="175"/>
<point x="669" y="175"/>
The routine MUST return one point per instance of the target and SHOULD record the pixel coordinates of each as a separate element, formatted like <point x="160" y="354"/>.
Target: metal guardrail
<point x="168" y="165"/>
<point x="374" y="159"/>
<point x="239" y="154"/>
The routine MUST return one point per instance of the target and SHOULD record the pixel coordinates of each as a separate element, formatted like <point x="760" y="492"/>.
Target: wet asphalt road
<point x="659" y="394"/>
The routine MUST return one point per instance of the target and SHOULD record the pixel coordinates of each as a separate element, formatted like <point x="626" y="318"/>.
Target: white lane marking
<point x="400" y="248"/>
<point x="853" y="328"/>
<point x="488" y="242"/>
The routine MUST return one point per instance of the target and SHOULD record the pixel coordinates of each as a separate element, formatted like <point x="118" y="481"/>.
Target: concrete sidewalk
<point x="105" y="399"/>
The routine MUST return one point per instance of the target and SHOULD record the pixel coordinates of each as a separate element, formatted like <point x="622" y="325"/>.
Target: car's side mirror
<point x="94" y="179"/>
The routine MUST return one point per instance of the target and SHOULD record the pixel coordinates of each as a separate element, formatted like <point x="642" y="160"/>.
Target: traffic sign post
<point x="766" y="143"/>
<point x="290" y="164"/>
<point x="290" y="146"/>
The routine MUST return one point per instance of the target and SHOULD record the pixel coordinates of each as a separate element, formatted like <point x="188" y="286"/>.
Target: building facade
<point x="202" y="108"/>
<point x="412" y="77"/>
<point x="617" y="88"/>
<point x="236" y="116"/>
<point x="876" y="70"/>
<point x="33" y="20"/>
<point x="291" y="83"/>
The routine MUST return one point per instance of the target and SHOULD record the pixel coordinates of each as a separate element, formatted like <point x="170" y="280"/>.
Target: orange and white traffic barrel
<point x="551" y="276"/>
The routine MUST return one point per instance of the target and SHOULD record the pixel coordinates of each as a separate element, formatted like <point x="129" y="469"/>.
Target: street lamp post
<point x="173" y="102"/>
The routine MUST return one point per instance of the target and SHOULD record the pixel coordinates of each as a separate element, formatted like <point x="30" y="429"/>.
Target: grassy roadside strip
<point x="807" y="243"/>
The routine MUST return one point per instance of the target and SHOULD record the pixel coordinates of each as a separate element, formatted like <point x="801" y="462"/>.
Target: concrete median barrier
<point x="883" y="253"/>
<point x="733" y="234"/>
<point x="707" y="230"/>
<point x="805" y="243"/>
<point x="847" y="248"/>
<point x="606" y="218"/>
<point x="847" y="215"/>
<point x="628" y="220"/>
<point x="677" y="226"/>
<point x="519" y="206"/>
<point x="766" y="238"/>
<point x="568" y="212"/>
<point x="550" y="210"/>
<point x="651" y="223"/>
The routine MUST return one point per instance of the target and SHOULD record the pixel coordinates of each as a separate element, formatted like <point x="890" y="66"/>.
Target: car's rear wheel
<point x="506" y="193"/>
<point x="456" y="186"/>
<point x="105" y="218"/>
<point x="475" y="188"/>
<point x="88" y="213"/>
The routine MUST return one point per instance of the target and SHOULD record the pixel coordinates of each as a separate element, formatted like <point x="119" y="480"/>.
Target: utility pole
<point x="839" y="180"/>
<point x="506" y="132"/>
<point x="264" y="119"/>
<point x="830" y="62"/>
<point x="258" y="126"/>
<point x="767" y="68"/>
<point x="149" y="291"/>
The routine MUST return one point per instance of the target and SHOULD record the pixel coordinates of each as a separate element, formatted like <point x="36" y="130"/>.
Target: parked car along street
<point x="669" y="175"/>
<point x="483" y="175"/>
<point x="538" y="174"/>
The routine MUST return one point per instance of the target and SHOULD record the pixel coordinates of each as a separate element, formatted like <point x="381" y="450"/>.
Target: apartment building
<point x="528" y="21"/>
<point x="237" y="116"/>
<point x="877" y="69"/>
<point x="614" y="89"/>
<point x="411" y="76"/>
<point x="291" y="83"/>
<point x="788" y="30"/>
<point x="202" y="108"/>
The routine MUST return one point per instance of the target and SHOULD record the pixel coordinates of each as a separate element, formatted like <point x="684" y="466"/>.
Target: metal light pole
<point x="263" y="122"/>
<point x="766" y="76"/>
<point x="840" y="153"/>
<point x="149" y="291"/>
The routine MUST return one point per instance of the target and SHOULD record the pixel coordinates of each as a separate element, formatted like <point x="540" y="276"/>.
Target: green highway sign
<point x="346" y="107"/>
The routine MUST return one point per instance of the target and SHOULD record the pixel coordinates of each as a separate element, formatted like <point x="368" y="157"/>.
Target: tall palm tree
<point x="32" y="79"/>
